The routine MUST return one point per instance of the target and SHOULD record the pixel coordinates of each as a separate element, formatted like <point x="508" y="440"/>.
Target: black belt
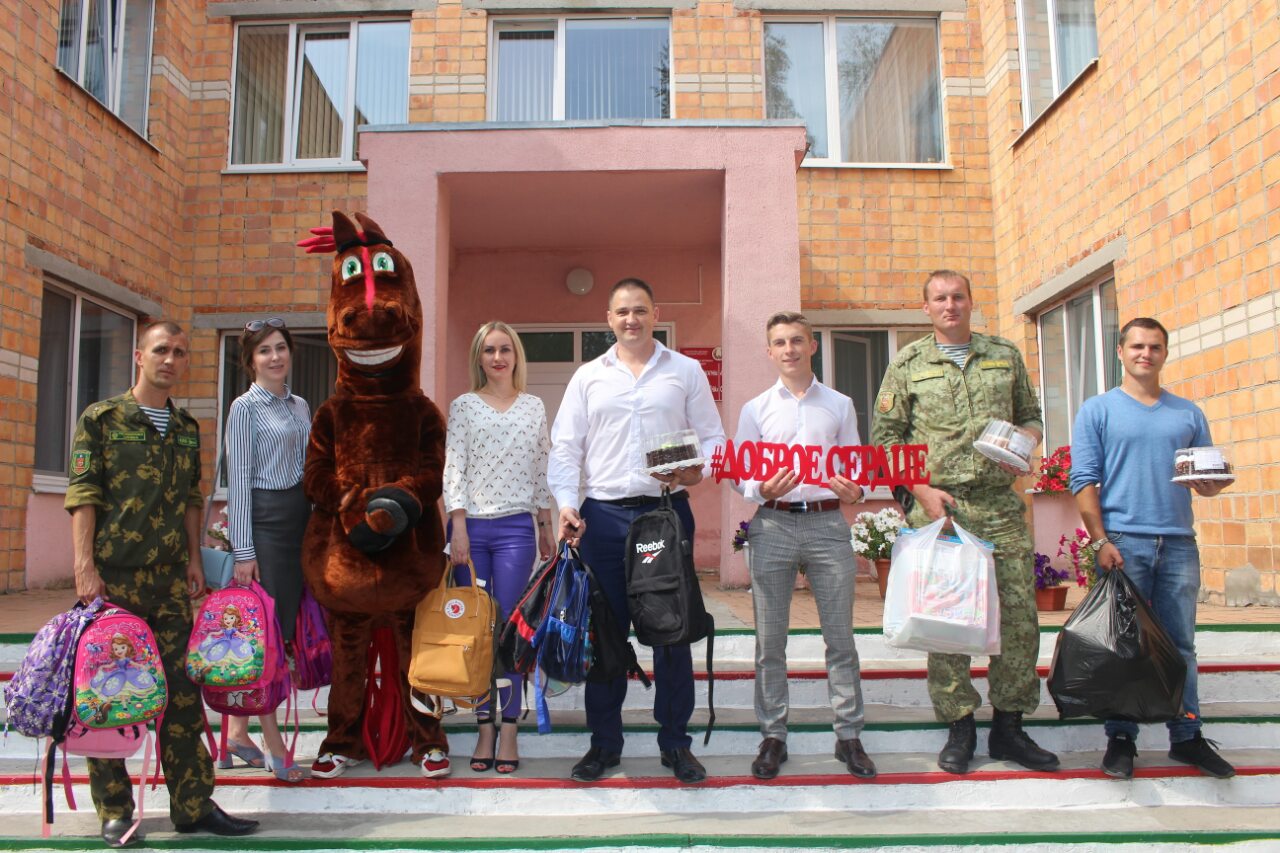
<point x="804" y="506"/>
<point x="641" y="500"/>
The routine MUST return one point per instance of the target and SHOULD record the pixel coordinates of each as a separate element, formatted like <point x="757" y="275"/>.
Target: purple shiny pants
<point x="503" y="551"/>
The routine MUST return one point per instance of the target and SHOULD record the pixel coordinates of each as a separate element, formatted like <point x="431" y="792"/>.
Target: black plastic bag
<point x="1113" y="660"/>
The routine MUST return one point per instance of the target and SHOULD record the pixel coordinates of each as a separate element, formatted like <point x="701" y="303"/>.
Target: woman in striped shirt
<point x="495" y="485"/>
<point x="267" y="432"/>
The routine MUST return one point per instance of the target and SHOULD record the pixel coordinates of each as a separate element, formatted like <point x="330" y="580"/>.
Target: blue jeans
<point x="1166" y="571"/>
<point x="603" y="549"/>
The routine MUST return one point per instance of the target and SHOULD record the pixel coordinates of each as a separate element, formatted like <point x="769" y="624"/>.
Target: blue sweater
<point x="1128" y="448"/>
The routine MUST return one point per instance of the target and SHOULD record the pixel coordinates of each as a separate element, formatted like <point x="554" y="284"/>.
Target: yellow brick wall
<point x="1172" y="142"/>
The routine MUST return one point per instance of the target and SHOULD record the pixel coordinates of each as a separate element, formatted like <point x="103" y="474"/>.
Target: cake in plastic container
<point x="665" y="452"/>
<point x="1202" y="463"/>
<point x="1001" y="441"/>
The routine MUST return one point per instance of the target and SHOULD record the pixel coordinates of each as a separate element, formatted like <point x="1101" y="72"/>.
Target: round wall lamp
<point x="579" y="281"/>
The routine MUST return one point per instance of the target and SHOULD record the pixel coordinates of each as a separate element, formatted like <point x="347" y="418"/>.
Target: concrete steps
<point x="813" y="804"/>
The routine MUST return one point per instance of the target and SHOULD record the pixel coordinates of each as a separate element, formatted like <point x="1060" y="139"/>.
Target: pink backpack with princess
<point x="118" y="688"/>
<point x="238" y="656"/>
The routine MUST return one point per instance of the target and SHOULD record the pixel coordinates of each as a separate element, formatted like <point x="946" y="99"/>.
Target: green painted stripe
<point x="672" y="841"/>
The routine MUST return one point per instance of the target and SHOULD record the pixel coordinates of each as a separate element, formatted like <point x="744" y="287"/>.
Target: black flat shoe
<point x="218" y="822"/>
<point x="684" y="766"/>
<point x="592" y="765"/>
<point x="114" y="830"/>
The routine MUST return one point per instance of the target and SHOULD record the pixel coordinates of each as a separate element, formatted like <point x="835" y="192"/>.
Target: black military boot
<point x="961" y="742"/>
<point x="1008" y="742"/>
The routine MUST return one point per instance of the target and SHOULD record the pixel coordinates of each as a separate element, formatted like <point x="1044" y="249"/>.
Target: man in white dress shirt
<point x="596" y="472"/>
<point x="800" y="524"/>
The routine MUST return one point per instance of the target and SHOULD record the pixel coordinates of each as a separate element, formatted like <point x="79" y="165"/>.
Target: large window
<point x="105" y="46"/>
<point x="1058" y="39"/>
<point x="868" y="89"/>
<point x="1078" y="340"/>
<point x="86" y="355"/>
<point x="581" y="69"/>
<point x="303" y="89"/>
<point x="853" y="362"/>
<point x="311" y="377"/>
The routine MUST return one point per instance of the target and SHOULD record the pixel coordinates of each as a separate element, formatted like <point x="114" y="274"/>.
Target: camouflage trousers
<point x="997" y="515"/>
<point x="159" y="595"/>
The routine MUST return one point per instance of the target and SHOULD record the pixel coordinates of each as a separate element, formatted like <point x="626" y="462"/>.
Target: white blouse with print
<point x="496" y="462"/>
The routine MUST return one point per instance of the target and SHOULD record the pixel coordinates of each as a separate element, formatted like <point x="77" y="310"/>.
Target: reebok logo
<point x="651" y="550"/>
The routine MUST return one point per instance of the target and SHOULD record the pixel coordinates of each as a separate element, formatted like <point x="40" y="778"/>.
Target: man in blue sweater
<point x="1122" y="458"/>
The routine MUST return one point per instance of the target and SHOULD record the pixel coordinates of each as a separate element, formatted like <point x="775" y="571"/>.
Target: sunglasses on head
<point x="259" y="325"/>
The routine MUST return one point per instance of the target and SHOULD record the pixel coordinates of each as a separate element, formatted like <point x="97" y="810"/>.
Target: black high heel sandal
<point x="482" y="765"/>
<point x="503" y="765"/>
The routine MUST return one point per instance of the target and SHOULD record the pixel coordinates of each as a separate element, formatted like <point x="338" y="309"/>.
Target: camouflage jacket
<point x="926" y="399"/>
<point x="140" y="482"/>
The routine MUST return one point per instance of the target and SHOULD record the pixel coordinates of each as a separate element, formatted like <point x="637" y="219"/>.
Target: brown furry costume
<point x="373" y="547"/>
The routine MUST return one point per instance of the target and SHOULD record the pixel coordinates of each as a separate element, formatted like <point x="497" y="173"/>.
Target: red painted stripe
<point x="806" y="780"/>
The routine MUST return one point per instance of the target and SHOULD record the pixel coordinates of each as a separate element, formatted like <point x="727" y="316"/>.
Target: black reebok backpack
<point x="662" y="588"/>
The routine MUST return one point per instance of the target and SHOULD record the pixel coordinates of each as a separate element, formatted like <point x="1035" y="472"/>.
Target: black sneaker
<point x="1118" y="762"/>
<point x="1200" y="753"/>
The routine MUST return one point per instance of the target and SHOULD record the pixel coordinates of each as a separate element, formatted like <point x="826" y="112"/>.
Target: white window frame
<point x="879" y="493"/>
<point x="542" y="22"/>
<point x="578" y="328"/>
<point x="1059" y="85"/>
<point x="48" y="481"/>
<point x="293" y="83"/>
<point x="1094" y="287"/>
<point x="112" y="66"/>
<point x="831" y="72"/>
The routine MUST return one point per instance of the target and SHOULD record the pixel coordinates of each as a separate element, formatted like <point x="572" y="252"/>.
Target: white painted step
<point x="1037" y="830"/>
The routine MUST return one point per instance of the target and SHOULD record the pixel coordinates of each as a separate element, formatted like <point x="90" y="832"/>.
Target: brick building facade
<point x="1079" y="168"/>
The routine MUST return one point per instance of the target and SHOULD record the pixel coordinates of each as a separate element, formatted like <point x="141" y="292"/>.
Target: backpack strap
<point x="142" y="784"/>
<point x="711" y="678"/>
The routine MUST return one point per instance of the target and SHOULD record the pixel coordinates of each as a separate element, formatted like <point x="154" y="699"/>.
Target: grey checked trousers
<point x="779" y="543"/>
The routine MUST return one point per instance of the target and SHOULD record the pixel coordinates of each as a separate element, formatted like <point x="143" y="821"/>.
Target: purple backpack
<point x="312" y="651"/>
<point x="39" y="696"/>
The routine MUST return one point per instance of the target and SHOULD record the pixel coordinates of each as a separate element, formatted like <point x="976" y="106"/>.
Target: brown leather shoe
<point x="772" y="753"/>
<point x="855" y="758"/>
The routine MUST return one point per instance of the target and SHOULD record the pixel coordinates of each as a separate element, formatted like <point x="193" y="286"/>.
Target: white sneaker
<point x="435" y="764"/>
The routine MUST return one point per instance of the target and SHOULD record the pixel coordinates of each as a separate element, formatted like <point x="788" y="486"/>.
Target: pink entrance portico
<point x="494" y="217"/>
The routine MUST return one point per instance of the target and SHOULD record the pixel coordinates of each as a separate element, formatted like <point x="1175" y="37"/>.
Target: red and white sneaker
<point x="330" y="765"/>
<point x="435" y="764"/>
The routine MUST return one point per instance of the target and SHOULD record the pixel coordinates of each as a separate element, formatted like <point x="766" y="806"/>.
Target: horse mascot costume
<point x="373" y="547"/>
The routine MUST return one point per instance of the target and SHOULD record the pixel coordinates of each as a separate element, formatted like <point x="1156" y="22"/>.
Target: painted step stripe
<point x="807" y="780"/>
<point x="1148" y="839"/>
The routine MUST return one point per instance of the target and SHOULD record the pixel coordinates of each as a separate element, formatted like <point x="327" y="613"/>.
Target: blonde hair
<point x="518" y="374"/>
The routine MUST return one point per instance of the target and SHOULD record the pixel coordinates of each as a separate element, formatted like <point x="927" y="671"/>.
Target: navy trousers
<point x="602" y="549"/>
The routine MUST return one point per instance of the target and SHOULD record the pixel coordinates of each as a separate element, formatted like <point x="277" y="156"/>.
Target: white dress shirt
<point x="596" y="440"/>
<point x="495" y="463"/>
<point x="823" y="416"/>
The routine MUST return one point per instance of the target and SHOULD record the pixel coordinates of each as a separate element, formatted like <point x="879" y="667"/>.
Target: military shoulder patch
<point x="80" y="462"/>
<point x="886" y="402"/>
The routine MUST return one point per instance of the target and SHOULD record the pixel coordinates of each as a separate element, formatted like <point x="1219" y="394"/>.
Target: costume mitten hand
<point x="388" y="512"/>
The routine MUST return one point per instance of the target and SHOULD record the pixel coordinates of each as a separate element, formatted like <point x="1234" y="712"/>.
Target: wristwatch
<point x="1099" y="542"/>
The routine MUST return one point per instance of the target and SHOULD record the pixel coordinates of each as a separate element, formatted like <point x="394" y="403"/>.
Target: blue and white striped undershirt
<point x="159" y="417"/>
<point x="266" y="446"/>
<point x="956" y="352"/>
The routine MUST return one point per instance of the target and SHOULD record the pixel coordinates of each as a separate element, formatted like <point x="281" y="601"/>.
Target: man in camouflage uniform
<point x="134" y="499"/>
<point x="942" y="391"/>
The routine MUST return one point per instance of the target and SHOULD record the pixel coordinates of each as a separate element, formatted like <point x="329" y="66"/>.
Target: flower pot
<point x="1053" y="598"/>
<point x="1053" y="514"/>
<point x="882" y="575"/>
